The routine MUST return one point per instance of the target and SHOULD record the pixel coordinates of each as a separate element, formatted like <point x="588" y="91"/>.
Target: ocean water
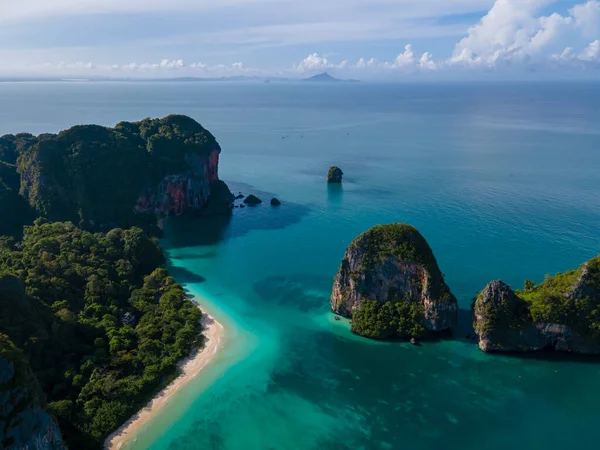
<point x="503" y="181"/>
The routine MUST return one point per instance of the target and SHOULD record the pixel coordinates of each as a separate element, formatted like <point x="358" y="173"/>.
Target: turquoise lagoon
<point x="501" y="179"/>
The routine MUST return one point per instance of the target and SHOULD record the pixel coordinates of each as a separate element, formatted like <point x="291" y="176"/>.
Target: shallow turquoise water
<point x="502" y="180"/>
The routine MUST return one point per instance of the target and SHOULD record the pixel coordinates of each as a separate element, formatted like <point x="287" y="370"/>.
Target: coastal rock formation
<point x="335" y="175"/>
<point x="275" y="202"/>
<point x="186" y="192"/>
<point x="389" y="283"/>
<point x="103" y="177"/>
<point x="560" y="314"/>
<point x="252" y="200"/>
<point x="24" y="424"/>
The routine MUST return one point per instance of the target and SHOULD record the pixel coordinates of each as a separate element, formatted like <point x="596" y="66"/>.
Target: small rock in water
<point x="242" y="206"/>
<point x="275" y="202"/>
<point x="239" y="196"/>
<point x="252" y="200"/>
<point x="413" y="341"/>
<point x="334" y="175"/>
<point x="337" y="318"/>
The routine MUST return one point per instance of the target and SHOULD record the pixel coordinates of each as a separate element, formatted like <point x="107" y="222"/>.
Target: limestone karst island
<point x="390" y="285"/>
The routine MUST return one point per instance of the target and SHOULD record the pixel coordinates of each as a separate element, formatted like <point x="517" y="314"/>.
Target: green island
<point x="91" y="324"/>
<point x="390" y="285"/>
<point x="562" y="313"/>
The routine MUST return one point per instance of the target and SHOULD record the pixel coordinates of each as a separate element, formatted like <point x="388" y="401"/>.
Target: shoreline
<point x="190" y="367"/>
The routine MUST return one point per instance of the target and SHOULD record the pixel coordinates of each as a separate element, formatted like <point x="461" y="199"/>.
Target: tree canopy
<point x="101" y="323"/>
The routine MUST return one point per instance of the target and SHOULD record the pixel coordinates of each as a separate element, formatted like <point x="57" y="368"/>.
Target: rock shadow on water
<point x="199" y="231"/>
<point x="196" y="231"/>
<point x="464" y="331"/>
<point x="303" y="293"/>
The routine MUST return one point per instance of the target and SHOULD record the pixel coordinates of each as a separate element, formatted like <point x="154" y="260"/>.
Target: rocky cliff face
<point x="24" y="424"/>
<point x="393" y="264"/>
<point x="185" y="192"/>
<point x="560" y="315"/>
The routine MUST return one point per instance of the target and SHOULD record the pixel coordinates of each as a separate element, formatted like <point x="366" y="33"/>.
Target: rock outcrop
<point x="389" y="283"/>
<point x="275" y="202"/>
<point x="24" y="424"/>
<point x="561" y="314"/>
<point x="191" y="191"/>
<point x="252" y="200"/>
<point x="335" y="175"/>
<point x="106" y="177"/>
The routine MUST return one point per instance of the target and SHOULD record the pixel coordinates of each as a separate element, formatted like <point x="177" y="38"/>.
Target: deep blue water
<point x="503" y="181"/>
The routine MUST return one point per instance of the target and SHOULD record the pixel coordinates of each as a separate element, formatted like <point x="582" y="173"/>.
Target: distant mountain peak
<point x="324" y="77"/>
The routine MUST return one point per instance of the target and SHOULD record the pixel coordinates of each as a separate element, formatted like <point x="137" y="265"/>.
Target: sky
<point x="364" y="39"/>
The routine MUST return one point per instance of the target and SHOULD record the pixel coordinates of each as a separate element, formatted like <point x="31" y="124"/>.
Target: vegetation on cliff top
<point x="91" y="174"/>
<point x="100" y="323"/>
<point x="398" y="240"/>
<point x="552" y="301"/>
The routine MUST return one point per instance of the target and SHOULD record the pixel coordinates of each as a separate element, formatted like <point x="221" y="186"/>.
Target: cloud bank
<point x="510" y="36"/>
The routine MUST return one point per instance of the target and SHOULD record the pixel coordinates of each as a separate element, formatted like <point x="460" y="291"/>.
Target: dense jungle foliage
<point x="100" y="322"/>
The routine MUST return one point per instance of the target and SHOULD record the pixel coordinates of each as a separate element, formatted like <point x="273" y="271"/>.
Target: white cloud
<point x="165" y="67"/>
<point x="512" y="32"/>
<point x="78" y="65"/>
<point x="512" y="35"/>
<point x="592" y="52"/>
<point x="363" y="63"/>
<point x="316" y="63"/>
<point x="587" y="17"/>
<point x="403" y="60"/>
<point x="426" y="62"/>
<point x="165" y="64"/>
<point x="589" y="57"/>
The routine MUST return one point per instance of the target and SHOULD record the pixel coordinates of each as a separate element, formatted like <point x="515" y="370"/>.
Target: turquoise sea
<point x="503" y="180"/>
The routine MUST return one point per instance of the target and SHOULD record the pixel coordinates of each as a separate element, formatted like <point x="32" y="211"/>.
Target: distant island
<point x="326" y="78"/>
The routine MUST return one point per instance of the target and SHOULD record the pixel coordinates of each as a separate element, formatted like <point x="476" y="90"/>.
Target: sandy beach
<point x="190" y="367"/>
